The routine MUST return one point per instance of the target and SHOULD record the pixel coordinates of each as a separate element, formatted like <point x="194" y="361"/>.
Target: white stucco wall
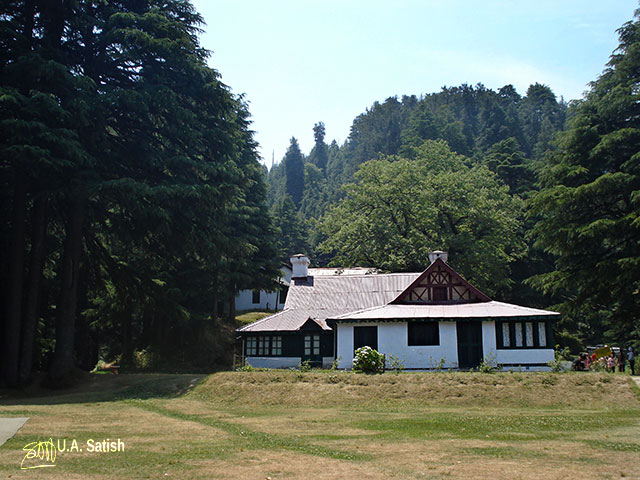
<point x="392" y="340"/>
<point x="283" y="362"/>
<point x="244" y="300"/>
<point x="274" y="362"/>
<point x="525" y="356"/>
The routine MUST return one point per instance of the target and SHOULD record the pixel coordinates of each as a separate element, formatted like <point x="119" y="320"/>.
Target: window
<point x="529" y="334"/>
<point x="251" y="345"/>
<point x="276" y="345"/>
<point x="264" y="346"/>
<point x="255" y="297"/>
<point x="518" y="335"/>
<point x="542" y="334"/>
<point x="365" y="336"/>
<point x="423" y="333"/>
<point x="506" y="338"/>
<point x="439" y="294"/>
<point x="311" y="345"/>
<point x="522" y="334"/>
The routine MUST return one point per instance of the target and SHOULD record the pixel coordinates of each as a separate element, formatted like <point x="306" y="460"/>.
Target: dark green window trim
<point x="263" y="346"/>
<point x="520" y="326"/>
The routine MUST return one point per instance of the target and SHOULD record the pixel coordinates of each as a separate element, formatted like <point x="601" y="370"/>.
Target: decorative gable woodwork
<point x="440" y="284"/>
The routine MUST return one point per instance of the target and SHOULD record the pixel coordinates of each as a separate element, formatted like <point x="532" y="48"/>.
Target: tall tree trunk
<point x="82" y="337"/>
<point x="34" y="286"/>
<point x="232" y="306"/>
<point x="127" y="335"/>
<point x="62" y="365"/>
<point x="214" y="297"/>
<point x="13" y="304"/>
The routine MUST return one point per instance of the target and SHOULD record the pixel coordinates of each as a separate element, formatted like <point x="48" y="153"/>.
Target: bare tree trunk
<point x="127" y="335"/>
<point x="82" y="338"/>
<point x="232" y="306"/>
<point x="13" y="303"/>
<point x="214" y="297"/>
<point x="62" y="365"/>
<point x="34" y="286"/>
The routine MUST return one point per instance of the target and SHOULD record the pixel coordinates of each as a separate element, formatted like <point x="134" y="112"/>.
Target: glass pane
<point x="316" y="345"/>
<point x="529" y="334"/>
<point x="506" y="340"/>
<point x="251" y="346"/>
<point x="276" y="346"/>
<point x="542" y="334"/>
<point x="518" y="334"/>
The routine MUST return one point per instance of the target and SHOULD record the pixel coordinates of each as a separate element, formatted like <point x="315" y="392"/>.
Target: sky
<point x="301" y="62"/>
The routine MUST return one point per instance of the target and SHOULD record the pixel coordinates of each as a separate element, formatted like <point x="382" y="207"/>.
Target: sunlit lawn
<point x="338" y="425"/>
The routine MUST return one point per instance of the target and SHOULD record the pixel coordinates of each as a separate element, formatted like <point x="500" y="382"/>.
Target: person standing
<point x="631" y="359"/>
<point x="622" y="359"/>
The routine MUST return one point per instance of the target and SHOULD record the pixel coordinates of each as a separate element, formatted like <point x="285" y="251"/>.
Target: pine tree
<point x="294" y="172"/>
<point x="589" y="208"/>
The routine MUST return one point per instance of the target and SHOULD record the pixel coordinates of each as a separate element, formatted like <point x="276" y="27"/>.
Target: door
<point x="311" y="349"/>
<point x="469" y="344"/>
<point x="365" y="336"/>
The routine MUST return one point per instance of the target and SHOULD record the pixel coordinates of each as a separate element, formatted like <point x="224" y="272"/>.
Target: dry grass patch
<point x="329" y="425"/>
<point x="390" y="391"/>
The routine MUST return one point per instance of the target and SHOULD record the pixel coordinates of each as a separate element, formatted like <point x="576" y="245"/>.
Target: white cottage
<point x="433" y="319"/>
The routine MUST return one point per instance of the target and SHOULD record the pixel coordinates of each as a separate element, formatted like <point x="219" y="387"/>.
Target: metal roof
<point x="328" y="296"/>
<point x="478" y="310"/>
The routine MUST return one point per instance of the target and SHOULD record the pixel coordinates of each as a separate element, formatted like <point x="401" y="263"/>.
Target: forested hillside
<point x="498" y="139"/>
<point x="132" y="196"/>
<point x="536" y="200"/>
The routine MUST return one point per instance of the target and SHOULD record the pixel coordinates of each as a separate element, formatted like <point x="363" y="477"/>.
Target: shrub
<point x="489" y="364"/>
<point x="368" y="360"/>
<point x="305" y="366"/>
<point x="395" y="364"/>
<point x="560" y="356"/>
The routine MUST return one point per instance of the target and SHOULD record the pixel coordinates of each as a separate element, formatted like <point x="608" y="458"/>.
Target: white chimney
<point x="438" y="254"/>
<point x="300" y="264"/>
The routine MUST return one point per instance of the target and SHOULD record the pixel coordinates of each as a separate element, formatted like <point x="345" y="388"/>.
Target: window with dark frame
<point x="255" y="297"/>
<point x="439" y="294"/>
<point x="525" y="334"/>
<point x="423" y="333"/>
<point x="263" y="346"/>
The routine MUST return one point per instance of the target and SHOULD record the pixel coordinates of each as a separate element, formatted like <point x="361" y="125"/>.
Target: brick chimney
<point x="300" y="264"/>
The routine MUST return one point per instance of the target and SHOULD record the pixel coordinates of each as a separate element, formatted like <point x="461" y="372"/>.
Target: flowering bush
<point x="368" y="360"/>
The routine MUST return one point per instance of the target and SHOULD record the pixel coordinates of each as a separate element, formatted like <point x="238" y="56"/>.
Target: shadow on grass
<point x="106" y="388"/>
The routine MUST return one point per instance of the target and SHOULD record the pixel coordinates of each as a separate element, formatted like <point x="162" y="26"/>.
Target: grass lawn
<point x="246" y="318"/>
<point x="286" y="424"/>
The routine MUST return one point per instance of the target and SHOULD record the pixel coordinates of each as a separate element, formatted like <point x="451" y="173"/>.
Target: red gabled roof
<point x="440" y="275"/>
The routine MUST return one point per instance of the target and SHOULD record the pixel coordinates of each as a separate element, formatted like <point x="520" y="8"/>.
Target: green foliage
<point x="304" y="366"/>
<point x="437" y="365"/>
<point x="402" y="209"/>
<point x="157" y="199"/>
<point x="368" y="360"/>
<point x="588" y="207"/>
<point x="394" y="364"/>
<point x="294" y="170"/>
<point x="488" y="364"/>
<point x="560" y="357"/>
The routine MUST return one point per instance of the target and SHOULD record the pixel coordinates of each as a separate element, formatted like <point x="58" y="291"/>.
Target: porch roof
<point x="482" y="310"/>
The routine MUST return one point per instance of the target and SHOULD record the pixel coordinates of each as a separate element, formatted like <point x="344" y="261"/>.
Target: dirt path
<point x="636" y="379"/>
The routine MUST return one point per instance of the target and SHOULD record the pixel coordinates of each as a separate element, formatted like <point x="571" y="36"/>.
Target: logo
<point x="40" y="454"/>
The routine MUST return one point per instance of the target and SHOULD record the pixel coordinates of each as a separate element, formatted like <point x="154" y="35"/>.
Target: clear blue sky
<point x="300" y="62"/>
